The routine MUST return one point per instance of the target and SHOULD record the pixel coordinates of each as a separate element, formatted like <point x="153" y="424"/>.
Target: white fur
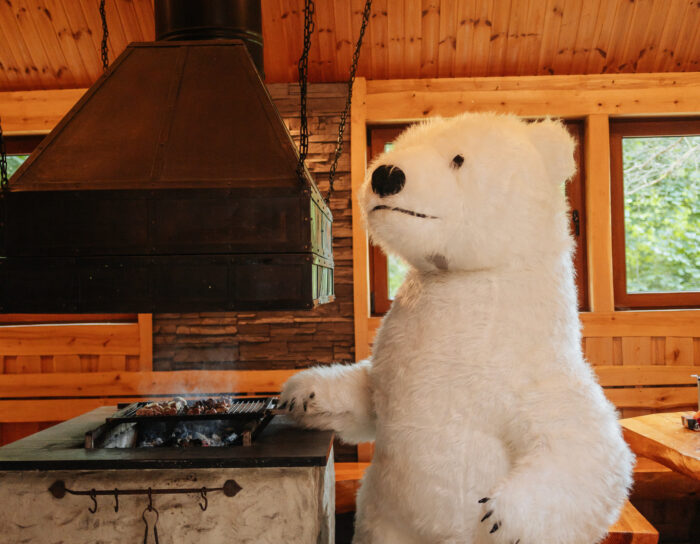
<point x="477" y="386"/>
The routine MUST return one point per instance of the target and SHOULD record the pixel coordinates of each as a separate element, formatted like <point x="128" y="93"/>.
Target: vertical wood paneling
<point x="67" y="363"/>
<point x="636" y="350"/>
<point x="679" y="351"/>
<point x="696" y="349"/>
<point x="499" y="37"/>
<point x="599" y="350"/>
<point x="658" y="349"/>
<point x="378" y="29"/>
<point x="447" y="42"/>
<point x="107" y="363"/>
<point x="430" y="28"/>
<point x="463" y="55"/>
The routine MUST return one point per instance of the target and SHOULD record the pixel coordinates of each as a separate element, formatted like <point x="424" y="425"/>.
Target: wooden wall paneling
<point x="36" y="28"/>
<point x="597" y="57"/>
<point x="480" y="39"/>
<point x="345" y="38"/>
<point x="658" y="350"/>
<point x="696" y="350"/>
<point x="447" y="39"/>
<point x="636" y="350"/>
<point x="641" y="323"/>
<point x="563" y="54"/>
<point x="600" y="278"/>
<point x="511" y="36"/>
<point x="88" y="40"/>
<point x="48" y="364"/>
<point x="396" y="37"/>
<point x="29" y="364"/>
<point x="463" y="53"/>
<point x="679" y="350"/>
<point x="498" y="39"/>
<point x="617" y="350"/>
<point x="658" y="17"/>
<point x="430" y="32"/>
<point x="326" y="42"/>
<point x="378" y="29"/>
<point x="675" y="12"/>
<point x="412" y="24"/>
<point x="113" y="339"/>
<point x="135" y="384"/>
<point x="692" y="57"/>
<point x="599" y="350"/>
<point x="644" y="375"/>
<point x="35" y="111"/>
<point x="16" y="49"/>
<point x="73" y="65"/>
<point x="550" y="34"/>
<point x="531" y="39"/>
<point x="585" y="35"/>
<point x="360" y="269"/>
<point x="145" y="323"/>
<point x="619" y="29"/>
<point x="107" y="363"/>
<point x="67" y="363"/>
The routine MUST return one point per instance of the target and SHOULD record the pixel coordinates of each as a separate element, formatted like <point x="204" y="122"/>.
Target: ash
<point x="184" y="434"/>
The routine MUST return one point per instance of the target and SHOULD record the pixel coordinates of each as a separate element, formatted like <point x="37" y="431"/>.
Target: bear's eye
<point x="457" y="161"/>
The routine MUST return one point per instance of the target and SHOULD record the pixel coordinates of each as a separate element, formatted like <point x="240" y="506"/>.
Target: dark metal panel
<point x="185" y="283"/>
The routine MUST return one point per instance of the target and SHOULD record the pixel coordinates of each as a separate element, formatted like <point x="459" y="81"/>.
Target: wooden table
<point x="662" y="437"/>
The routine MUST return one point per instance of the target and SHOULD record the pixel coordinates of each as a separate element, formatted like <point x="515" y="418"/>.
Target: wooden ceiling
<point x="49" y="44"/>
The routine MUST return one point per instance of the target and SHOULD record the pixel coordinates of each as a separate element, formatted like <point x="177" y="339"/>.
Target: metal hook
<point x="116" y="500"/>
<point x="203" y="493"/>
<point x="93" y="496"/>
<point x="150" y="508"/>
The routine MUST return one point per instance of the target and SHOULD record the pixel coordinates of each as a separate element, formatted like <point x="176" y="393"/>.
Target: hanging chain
<point x="105" y="34"/>
<point x="348" y="101"/>
<point x="4" y="180"/>
<point x="303" y="67"/>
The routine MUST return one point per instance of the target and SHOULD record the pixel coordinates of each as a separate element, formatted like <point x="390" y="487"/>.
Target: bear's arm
<point x="335" y="397"/>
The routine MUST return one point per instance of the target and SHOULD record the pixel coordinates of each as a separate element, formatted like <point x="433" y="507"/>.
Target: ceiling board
<point x="50" y="44"/>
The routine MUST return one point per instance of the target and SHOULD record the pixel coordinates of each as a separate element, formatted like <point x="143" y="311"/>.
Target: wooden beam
<point x="145" y="342"/>
<point x="639" y="375"/>
<point x="563" y="96"/>
<point x="654" y="398"/>
<point x="599" y="230"/>
<point x="360" y="259"/>
<point x="102" y="339"/>
<point x="36" y="112"/>
<point x="140" y="384"/>
<point x="642" y="323"/>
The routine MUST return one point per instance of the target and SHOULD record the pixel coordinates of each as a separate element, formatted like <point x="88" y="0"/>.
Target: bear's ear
<point x="556" y="146"/>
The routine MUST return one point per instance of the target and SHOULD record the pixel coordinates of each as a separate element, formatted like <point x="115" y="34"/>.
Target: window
<point x="387" y="273"/>
<point x="655" y="194"/>
<point x="18" y="149"/>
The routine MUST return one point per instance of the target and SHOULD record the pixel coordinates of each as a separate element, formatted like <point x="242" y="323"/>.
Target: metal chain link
<point x="105" y="34"/>
<point x="4" y="180"/>
<point x="348" y="101"/>
<point x="303" y="67"/>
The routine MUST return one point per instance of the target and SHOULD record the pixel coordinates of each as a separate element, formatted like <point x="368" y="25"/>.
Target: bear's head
<point x="477" y="191"/>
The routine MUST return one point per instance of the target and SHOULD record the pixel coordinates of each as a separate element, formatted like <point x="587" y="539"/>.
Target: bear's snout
<point x="387" y="180"/>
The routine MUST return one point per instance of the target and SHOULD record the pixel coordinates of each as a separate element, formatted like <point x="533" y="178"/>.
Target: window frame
<point x="379" y="135"/>
<point x="643" y="127"/>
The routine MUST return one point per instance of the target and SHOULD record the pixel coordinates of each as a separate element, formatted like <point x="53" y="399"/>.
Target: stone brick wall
<point x="263" y="340"/>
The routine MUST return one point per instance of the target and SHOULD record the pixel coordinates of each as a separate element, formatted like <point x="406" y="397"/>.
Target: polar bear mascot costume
<point x="489" y="426"/>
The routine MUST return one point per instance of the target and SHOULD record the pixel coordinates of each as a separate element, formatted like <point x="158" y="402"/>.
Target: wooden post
<point x="360" y="269"/>
<point x="599" y="233"/>
<point x="145" y="342"/>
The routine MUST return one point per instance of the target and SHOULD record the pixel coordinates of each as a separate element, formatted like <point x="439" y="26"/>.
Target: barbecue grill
<point x="244" y="420"/>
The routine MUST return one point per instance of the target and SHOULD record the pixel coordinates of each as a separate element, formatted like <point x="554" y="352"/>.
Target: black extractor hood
<point x="171" y="186"/>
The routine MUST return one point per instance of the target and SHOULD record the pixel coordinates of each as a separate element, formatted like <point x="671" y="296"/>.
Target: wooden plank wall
<point x="71" y="349"/>
<point x="665" y="386"/>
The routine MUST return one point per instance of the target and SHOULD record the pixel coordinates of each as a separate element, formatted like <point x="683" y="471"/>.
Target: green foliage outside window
<point x="14" y="162"/>
<point x="662" y="213"/>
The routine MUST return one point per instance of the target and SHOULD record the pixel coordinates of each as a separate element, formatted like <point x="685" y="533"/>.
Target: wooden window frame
<point x="666" y="126"/>
<point x="379" y="136"/>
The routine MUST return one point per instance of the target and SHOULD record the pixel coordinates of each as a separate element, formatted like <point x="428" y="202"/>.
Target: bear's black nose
<point x="387" y="180"/>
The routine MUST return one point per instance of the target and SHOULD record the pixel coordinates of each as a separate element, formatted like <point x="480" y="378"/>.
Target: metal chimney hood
<point x="171" y="186"/>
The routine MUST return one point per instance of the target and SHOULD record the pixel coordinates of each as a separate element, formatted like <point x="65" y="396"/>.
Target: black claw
<point x="485" y="499"/>
<point x="305" y="404"/>
<point x="312" y="395"/>
<point x="495" y="527"/>
<point x="487" y="515"/>
<point x="291" y="405"/>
